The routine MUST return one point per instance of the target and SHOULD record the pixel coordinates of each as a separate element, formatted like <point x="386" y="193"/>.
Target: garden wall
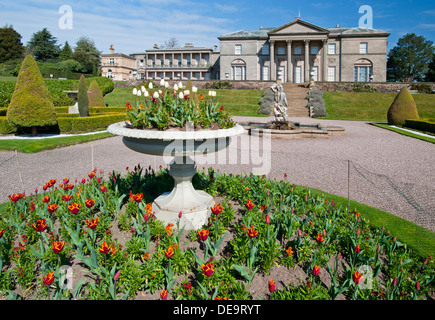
<point x="201" y="84"/>
<point x="382" y="87"/>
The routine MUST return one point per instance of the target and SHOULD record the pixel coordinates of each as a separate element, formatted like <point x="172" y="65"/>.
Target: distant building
<point x="118" y="66"/>
<point x="298" y="51"/>
<point x="294" y="52"/>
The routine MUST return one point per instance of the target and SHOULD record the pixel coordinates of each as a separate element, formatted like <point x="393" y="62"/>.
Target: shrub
<point x="421" y="88"/>
<point x="427" y="125"/>
<point x="106" y="85"/>
<point x="363" y="87"/>
<point x="74" y="123"/>
<point x="95" y="96"/>
<point x="82" y="98"/>
<point x="402" y="108"/>
<point x="5" y="126"/>
<point x="31" y="104"/>
<point x="219" y="85"/>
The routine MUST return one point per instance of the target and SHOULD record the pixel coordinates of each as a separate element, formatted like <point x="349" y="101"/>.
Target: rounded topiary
<point x="31" y="105"/>
<point x="95" y="96"/>
<point x="82" y="98"/>
<point x="402" y="108"/>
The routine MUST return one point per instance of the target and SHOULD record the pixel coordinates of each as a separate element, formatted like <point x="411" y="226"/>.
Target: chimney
<point x="156" y="46"/>
<point x="111" y="49"/>
<point x="215" y="47"/>
<point x="188" y="45"/>
<point x="337" y="26"/>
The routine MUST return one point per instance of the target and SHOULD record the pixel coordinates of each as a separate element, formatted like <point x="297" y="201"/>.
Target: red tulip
<point x="104" y="249"/>
<point x="48" y="279"/>
<point x="267" y="219"/>
<point x="90" y="203"/>
<point x="66" y="197"/>
<point x="249" y="205"/>
<point x="252" y="233"/>
<point x="52" y="207"/>
<point x="319" y="238"/>
<point x="217" y="209"/>
<point x="207" y="269"/>
<point x="203" y="234"/>
<point x="74" y="207"/>
<point x="92" y="224"/>
<point x="57" y="246"/>
<point x="40" y="226"/>
<point x="357" y="248"/>
<point x="316" y="270"/>
<point x="180" y="215"/>
<point x="117" y="275"/>
<point x="164" y="295"/>
<point x="16" y="197"/>
<point x="136" y="197"/>
<point x="46" y="199"/>
<point x="357" y="277"/>
<point x="272" y="286"/>
<point x="417" y="285"/>
<point x="169" y="253"/>
<point x="2" y="233"/>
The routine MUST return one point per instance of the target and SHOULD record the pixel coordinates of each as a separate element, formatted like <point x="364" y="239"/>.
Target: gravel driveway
<point x="389" y="171"/>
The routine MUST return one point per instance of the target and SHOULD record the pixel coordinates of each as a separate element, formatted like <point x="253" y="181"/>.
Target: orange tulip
<point x="272" y="286"/>
<point x="203" y="234"/>
<point x="92" y="224"/>
<point x="319" y="238"/>
<point x="46" y="199"/>
<point x="74" y="207"/>
<point x="164" y="295"/>
<point x="40" y="226"/>
<point x="249" y="205"/>
<point x="207" y="269"/>
<point x="357" y="277"/>
<point x="66" y="197"/>
<point x="48" y="279"/>
<point x="136" y="197"/>
<point x="89" y="203"/>
<point x="57" y="246"/>
<point x="104" y="249"/>
<point x="289" y="251"/>
<point x="316" y="270"/>
<point x="52" y="207"/>
<point x="216" y="209"/>
<point x="169" y="253"/>
<point x="252" y="233"/>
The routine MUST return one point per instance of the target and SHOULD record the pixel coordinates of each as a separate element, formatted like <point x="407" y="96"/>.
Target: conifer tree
<point x="82" y="98"/>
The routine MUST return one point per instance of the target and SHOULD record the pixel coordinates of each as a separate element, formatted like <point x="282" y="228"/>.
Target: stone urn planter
<point x="181" y="145"/>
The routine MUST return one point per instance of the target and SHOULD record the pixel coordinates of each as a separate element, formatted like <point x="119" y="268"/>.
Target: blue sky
<point x="134" y="26"/>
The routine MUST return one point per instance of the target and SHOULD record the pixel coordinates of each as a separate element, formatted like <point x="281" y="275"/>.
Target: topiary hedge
<point x="403" y="107"/>
<point x="6" y="127"/>
<point x="427" y="125"/>
<point x="74" y="123"/>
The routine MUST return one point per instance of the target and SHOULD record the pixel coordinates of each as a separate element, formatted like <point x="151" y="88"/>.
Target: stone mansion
<point x="294" y="52"/>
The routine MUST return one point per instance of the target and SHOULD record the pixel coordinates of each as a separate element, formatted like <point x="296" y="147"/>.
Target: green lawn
<point x="37" y="145"/>
<point x="236" y="102"/>
<point x="371" y="106"/>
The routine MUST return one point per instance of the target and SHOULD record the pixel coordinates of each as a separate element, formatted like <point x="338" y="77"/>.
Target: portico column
<point x="307" y="61"/>
<point x="324" y="63"/>
<point x="272" y="61"/>
<point x="289" y="61"/>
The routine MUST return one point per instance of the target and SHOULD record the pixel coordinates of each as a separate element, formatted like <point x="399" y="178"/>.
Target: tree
<point x="409" y="59"/>
<point x="171" y="43"/>
<point x="430" y="74"/>
<point x="402" y="108"/>
<point x="95" y="96"/>
<point x="31" y="104"/>
<point x="43" y="45"/>
<point x="82" y="98"/>
<point x="87" y="54"/>
<point x="10" y="44"/>
<point x="66" y="52"/>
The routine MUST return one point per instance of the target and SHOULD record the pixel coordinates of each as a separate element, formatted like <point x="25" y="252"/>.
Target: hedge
<point x="5" y="126"/>
<point x="427" y="125"/>
<point x="86" y="124"/>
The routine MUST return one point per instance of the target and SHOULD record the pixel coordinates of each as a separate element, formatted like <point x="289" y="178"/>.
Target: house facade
<point x="118" y="66"/>
<point x="298" y="51"/>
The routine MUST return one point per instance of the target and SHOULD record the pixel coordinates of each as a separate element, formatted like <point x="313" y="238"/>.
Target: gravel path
<point x="389" y="171"/>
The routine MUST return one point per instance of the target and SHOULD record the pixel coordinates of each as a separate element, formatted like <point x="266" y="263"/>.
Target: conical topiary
<point x="31" y="105"/>
<point x="402" y="108"/>
<point x="95" y="96"/>
<point x="82" y="98"/>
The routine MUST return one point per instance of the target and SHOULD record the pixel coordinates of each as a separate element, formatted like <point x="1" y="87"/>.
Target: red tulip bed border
<point x="99" y="239"/>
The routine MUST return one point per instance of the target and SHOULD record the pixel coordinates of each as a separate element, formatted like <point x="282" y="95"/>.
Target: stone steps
<point x="296" y="94"/>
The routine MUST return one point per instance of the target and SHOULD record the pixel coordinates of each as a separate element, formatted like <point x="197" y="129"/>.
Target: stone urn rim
<point x="120" y="129"/>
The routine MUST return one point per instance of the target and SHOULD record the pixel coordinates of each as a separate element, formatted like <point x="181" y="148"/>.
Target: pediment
<point x="298" y="27"/>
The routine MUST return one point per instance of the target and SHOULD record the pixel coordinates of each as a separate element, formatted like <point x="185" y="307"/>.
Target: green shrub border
<point x="75" y="124"/>
<point x="427" y="125"/>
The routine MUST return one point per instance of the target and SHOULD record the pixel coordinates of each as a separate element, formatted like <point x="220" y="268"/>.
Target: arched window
<point x="238" y="70"/>
<point x="363" y="69"/>
<point x="109" y="74"/>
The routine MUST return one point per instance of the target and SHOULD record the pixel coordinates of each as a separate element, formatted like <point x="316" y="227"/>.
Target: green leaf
<point x="78" y="288"/>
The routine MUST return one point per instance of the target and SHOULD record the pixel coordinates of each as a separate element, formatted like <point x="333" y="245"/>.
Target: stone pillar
<point x="307" y="61"/>
<point x="325" y="59"/>
<point x="289" y="62"/>
<point x="272" y="61"/>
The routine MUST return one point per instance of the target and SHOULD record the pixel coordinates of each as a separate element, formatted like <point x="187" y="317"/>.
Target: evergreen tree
<point x="87" y="54"/>
<point x="10" y="44"/>
<point x="43" y="45"/>
<point x="409" y="59"/>
<point x="66" y="52"/>
<point x="82" y="98"/>
<point x="31" y="104"/>
<point x="95" y="96"/>
<point x="430" y="75"/>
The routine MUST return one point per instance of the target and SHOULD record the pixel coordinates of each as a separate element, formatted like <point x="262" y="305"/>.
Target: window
<point x="331" y="48"/>
<point x="314" y="49"/>
<point x="141" y="62"/>
<point x="238" y="72"/>
<point x="281" y="50"/>
<point x="265" y="73"/>
<point x="362" y="73"/>
<point x="314" y="74"/>
<point x="363" y="47"/>
<point x="265" y="49"/>
<point x="188" y="60"/>
<point x="298" y="49"/>
<point x="112" y="61"/>
<point x="331" y="73"/>
<point x="238" y="49"/>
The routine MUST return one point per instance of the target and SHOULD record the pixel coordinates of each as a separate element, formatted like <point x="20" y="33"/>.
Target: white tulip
<point x="134" y="91"/>
<point x="181" y="95"/>
<point x="166" y="84"/>
<point x="186" y="92"/>
<point x="160" y="91"/>
<point x="150" y="86"/>
<point x="146" y="94"/>
<point x="175" y="87"/>
<point x="209" y="93"/>
<point x="162" y="82"/>
<point x="180" y="85"/>
<point x="155" y="95"/>
<point x="213" y="93"/>
<point x="194" y="89"/>
<point x="139" y="93"/>
<point x="142" y="88"/>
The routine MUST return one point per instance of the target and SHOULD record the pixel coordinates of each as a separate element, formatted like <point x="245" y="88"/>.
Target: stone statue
<point x="280" y="103"/>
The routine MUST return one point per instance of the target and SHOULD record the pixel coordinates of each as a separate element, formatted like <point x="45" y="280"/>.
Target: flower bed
<point x="98" y="239"/>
